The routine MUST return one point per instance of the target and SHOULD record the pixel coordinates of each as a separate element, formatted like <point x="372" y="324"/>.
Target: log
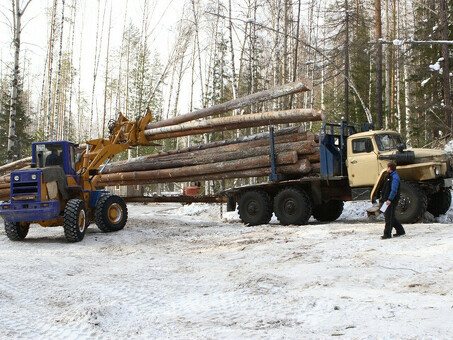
<point x="19" y="164"/>
<point x="166" y="175"/>
<point x="258" y="172"/>
<point x="292" y="131"/>
<point x="276" y="92"/>
<point x="207" y="157"/>
<point x="5" y="179"/>
<point x="235" y="122"/>
<point x="220" y="148"/>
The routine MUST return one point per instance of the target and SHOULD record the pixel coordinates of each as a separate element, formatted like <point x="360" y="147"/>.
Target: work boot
<point x="384" y="237"/>
<point x="398" y="235"/>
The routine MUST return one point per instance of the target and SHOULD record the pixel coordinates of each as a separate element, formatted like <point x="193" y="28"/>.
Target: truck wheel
<point x="439" y="203"/>
<point x="329" y="211"/>
<point x="110" y="213"/>
<point x="292" y="206"/>
<point x="412" y="204"/>
<point x="75" y="220"/>
<point x="255" y="207"/>
<point x="16" y="231"/>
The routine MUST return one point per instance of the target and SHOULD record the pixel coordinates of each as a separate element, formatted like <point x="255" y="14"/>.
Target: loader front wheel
<point x="292" y="206"/>
<point x="111" y="213"/>
<point x="16" y="231"/>
<point x="75" y="220"/>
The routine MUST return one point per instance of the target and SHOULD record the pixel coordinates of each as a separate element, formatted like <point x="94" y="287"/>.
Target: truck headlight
<point x="33" y="176"/>
<point x="436" y="171"/>
<point x="16" y="178"/>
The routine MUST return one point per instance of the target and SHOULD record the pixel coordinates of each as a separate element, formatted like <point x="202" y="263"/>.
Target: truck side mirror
<point x="368" y="145"/>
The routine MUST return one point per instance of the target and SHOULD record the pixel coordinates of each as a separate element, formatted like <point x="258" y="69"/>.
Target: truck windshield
<point x="49" y="155"/>
<point x="388" y="141"/>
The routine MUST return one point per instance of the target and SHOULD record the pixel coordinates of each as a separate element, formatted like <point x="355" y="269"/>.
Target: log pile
<point x="297" y="154"/>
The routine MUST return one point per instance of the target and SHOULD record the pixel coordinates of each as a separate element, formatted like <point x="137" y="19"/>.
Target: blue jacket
<point x="395" y="180"/>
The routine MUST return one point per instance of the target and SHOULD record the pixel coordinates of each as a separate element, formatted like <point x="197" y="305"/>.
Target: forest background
<point x="67" y="67"/>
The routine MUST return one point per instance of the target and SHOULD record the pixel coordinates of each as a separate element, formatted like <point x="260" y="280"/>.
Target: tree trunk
<point x="346" y="62"/>
<point x="445" y="67"/>
<point x="12" y="116"/>
<point x="377" y="9"/>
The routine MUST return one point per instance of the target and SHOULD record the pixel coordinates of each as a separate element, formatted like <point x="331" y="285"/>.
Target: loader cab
<point x="53" y="154"/>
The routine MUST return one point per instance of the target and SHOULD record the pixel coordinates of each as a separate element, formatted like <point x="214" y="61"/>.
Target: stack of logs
<point x="297" y="154"/>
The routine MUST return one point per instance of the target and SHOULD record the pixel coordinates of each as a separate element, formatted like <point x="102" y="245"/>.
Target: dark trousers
<point x="391" y="221"/>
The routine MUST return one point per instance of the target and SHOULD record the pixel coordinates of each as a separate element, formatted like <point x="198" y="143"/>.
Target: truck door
<point x="362" y="162"/>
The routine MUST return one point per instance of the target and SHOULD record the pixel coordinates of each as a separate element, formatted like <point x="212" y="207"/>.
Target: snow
<point x="397" y="42"/>
<point x="425" y="81"/>
<point x="188" y="272"/>
<point x="435" y="67"/>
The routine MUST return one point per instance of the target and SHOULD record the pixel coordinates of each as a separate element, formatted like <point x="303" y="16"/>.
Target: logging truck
<point x="352" y="167"/>
<point x="59" y="189"/>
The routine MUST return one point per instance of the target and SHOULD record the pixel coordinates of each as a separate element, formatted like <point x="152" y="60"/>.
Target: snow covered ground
<point x="182" y="272"/>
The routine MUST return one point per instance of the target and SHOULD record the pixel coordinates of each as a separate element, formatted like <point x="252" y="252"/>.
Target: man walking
<point x="390" y="195"/>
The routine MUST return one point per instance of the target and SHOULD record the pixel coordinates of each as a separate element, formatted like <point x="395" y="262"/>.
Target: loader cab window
<point x="49" y="155"/>
<point x="362" y="145"/>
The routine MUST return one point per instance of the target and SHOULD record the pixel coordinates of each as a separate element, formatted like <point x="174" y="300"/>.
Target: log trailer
<point x="353" y="167"/>
<point x="59" y="188"/>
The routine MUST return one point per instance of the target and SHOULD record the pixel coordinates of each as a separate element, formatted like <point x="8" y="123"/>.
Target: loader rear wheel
<point x="255" y="207"/>
<point x="439" y="203"/>
<point x="292" y="206"/>
<point x="412" y="203"/>
<point x="111" y="213"/>
<point x="75" y="220"/>
<point x="16" y="231"/>
<point x="329" y="211"/>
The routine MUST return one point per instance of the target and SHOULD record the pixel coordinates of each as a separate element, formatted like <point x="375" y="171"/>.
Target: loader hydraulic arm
<point x="124" y="133"/>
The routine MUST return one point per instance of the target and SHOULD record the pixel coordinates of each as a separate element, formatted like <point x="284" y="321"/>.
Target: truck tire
<point x="439" y="203"/>
<point x="412" y="203"/>
<point x="16" y="231"/>
<point x="75" y="220"/>
<point x="292" y="206"/>
<point x="110" y="213"/>
<point x="329" y="211"/>
<point x="255" y="207"/>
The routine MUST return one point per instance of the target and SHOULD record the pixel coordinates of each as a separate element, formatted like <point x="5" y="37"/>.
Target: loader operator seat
<point x="54" y="159"/>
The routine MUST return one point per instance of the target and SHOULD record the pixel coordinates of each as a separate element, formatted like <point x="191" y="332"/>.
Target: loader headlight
<point x="33" y="176"/>
<point x="16" y="178"/>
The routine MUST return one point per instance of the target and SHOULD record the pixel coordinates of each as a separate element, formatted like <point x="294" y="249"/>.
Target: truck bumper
<point x="24" y="211"/>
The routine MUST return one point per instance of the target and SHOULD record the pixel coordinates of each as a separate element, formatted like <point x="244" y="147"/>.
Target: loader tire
<point x="110" y="213"/>
<point x="75" y="220"/>
<point x="439" y="203"/>
<point x="292" y="206"/>
<point x="16" y="231"/>
<point x="255" y="207"/>
<point x="329" y="211"/>
<point x="412" y="204"/>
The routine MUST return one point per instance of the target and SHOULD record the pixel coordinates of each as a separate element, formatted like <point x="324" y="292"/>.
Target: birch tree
<point x="17" y="29"/>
